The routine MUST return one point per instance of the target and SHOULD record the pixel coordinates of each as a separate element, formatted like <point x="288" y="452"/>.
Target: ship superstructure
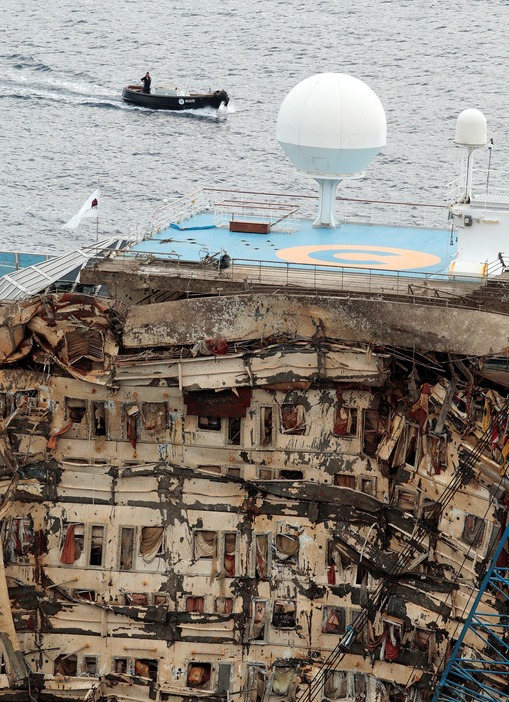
<point x="232" y="478"/>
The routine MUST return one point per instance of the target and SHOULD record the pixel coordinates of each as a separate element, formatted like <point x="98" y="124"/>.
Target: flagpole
<point x="97" y="223"/>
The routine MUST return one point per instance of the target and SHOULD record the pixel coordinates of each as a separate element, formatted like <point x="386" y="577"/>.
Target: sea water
<point x="65" y="130"/>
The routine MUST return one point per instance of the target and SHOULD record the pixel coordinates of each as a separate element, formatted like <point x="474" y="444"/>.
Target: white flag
<point x="89" y="209"/>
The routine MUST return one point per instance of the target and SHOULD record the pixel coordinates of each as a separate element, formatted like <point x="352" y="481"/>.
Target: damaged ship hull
<point x="190" y="517"/>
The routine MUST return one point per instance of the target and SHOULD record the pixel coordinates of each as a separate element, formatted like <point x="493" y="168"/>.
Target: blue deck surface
<point x="11" y="261"/>
<point x="385" y="248"/>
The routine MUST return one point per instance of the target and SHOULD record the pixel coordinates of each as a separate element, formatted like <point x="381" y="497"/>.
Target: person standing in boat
<point x="146" y="80"/>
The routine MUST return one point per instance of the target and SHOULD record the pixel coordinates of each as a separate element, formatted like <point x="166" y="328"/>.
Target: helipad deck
<point x="293" y="239"/>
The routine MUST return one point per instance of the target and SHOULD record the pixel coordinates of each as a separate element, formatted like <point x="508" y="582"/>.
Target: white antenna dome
<point x="471" y="129"/>
<point x="331" y="126"/>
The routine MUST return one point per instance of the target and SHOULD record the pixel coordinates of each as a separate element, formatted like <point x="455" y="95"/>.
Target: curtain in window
<point x="126" y="549"/>
<point x="154" y="416"/>
<point x="198" y="675"/>
<point x="262" y="548"/>
<point x="334" y="623"/>
<point x="151" y="540"/>
<point x="293" y="419"/>
<point x="137" y="599"/>
<point x="71" y="550"/>
<point x="23" y="536"/>
<point x="205" y="544"/>
<point x="224" y="605"/>
<point x="258" y="618"/>
<point x="230" y="544"/>
<point x="195" y="604"/>
<point x="282" y="680"/>
<point x="335" y="684"/>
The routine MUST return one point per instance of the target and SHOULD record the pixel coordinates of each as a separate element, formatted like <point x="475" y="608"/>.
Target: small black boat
<point x="161" y="98"/>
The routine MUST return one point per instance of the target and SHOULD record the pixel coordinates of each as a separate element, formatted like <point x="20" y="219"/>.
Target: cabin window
<point x="136" y="599"/>
<point x="359" y="686"/>
<point x="265" y="473"/>
<point x="284" y="614"/>
<point x="234" y="428"/>
<point x="473" y="530"/>
<point x="291" y="475"/>
<point x="293" y="419"/>
<point x="422" y="640"/>
<point x="256" y="679"/>
<point x="344" y="480"/>
<point x="216" y="470"/>
<point x="73" y="543"/>
<point x="85" y="595"/>
<point x="76" y="410"/>
<point x="361" y="575"/>
<point x="89" y="665"/>
<point x="335" y="684"/>
<point x="132" y="424"/>
<point x="431" y="512"/>
<point x="66" y="665"/>
<point x="334" y="620"/>
<point x="20" y="538"/>
<point x="205" y="544"/>
<point x="160" y="599"/>
<point x="146" y="668"/>
<point x="151" y="542"/>
<point x="121" y="665"/>
<point x="99" y="418"/>
<point x="198" y="675"/>
<point x="266" y="427"/>
<point x="234" y="471"/>
<point x="257" y="630"/>
<point x="368" y="485"/>
<point x="224" y="673"/>
<point x="229" y="553"/>
<point x="126" y="559"/>
<point x="286" y="548"/>
<point x="261" y="556"/>
<point x="195" y="604"/>
<point x="154" y="417"/>
<point x="406" y="499"/>
<point x="96" y="546"/>
<point x="223" y="605"/>
<point x="373" y="429"/>
<point x="345" y="422"/>
<point x="209" y="423"/>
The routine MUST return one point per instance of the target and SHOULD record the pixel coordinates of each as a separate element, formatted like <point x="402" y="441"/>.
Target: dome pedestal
<point x="326" y="203"/>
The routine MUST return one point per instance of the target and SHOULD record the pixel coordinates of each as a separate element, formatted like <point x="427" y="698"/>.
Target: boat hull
<point x="165" y="101"/>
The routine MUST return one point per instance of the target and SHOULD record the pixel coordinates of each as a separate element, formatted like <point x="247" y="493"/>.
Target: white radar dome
<point x="471" y="129"/>
<point x="331" y="125"/>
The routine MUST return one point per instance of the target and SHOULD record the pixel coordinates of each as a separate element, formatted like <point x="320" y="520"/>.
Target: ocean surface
<point x="65" y="131"/>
